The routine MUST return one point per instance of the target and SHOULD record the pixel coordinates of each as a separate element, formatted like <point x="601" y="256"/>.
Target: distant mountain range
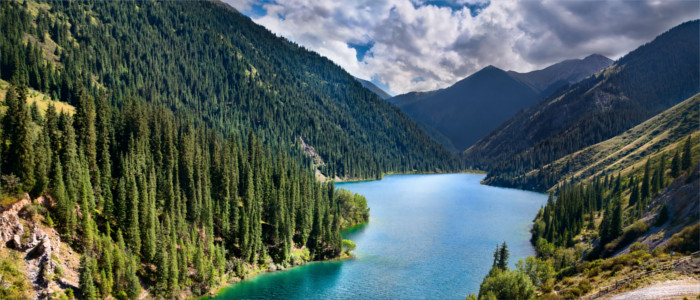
<point x="461" y="114"/>
<point x="374" y="88"/>
<point x="642" y="84"/>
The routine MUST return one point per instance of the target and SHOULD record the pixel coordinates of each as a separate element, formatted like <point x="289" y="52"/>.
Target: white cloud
<point x="418" y="45"/>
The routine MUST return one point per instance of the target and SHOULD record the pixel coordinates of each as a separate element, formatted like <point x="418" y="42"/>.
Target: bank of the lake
<point x="338" y="180"/>
<point x="429" y="236"/>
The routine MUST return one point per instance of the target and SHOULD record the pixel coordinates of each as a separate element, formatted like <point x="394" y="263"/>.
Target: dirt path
<point x="674" y="289"/>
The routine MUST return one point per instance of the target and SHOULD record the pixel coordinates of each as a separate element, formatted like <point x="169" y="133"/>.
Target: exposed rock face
<point x="39" y="245"/>
<point x="11" y="229"/>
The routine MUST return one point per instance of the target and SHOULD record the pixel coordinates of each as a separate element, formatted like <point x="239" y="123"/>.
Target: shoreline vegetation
<point x="257" y="271"/>
<point x="353" y="180"/>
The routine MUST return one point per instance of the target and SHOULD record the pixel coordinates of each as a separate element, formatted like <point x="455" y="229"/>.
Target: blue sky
<point x="420" y="45"/>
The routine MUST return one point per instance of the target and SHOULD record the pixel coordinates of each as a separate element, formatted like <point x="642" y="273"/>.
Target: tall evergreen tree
<point x="87" y="285"/>
<point x="686" y="161"/>
<point x="662" y="217"/>
<point x="646" y="181"/>
<point x="503" y="257"/>
<point x="676" y="165"/>
<point x="17" y="131"/>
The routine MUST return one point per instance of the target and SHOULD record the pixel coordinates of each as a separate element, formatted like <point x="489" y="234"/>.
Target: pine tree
<point x="87" y="285"/>
<point x="616" y="221"/>
<point x="133" y="288"/>
<point x="676" y="165"/>
<point x="19" y="155"/>
<point x="634" y="195"/>
<point x="646" y="184"/>
<point x="662" y="216"/>
<point x="102" y="125"/>
<point x="162" y="262"/>
<point x="173" y="275"/>
<point x="503" y="257"/>
<point x="69" y="156"/>
<point x="84" y="121"/>
<point x="686" y="161"/>
<point x="662" y="171"/>
<point x="133" y="229"/>
<point x="42" y="161"/>
<point x="496" y="257"/>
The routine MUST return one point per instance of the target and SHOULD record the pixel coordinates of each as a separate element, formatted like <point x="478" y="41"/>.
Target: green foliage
<point x="662" y="217"/>
<point x="348" y="246"/>
<point x="629" y="234"/>
<point x="502" y="262"/>
<point x="686" y="241"/>
<point x="353" y="208"/>
<point x="687" y="159"/>
<point x="18" y="141"/>
<point x="539" y="271"/>
<point x="507" y="284"/>
<point x="15" y="284"/>
<point x="87" y="285"/>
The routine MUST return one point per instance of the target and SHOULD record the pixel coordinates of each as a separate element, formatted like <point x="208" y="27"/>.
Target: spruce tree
<point x="662" y="217"/>
<point x="503" y="257"/>
<point x="646" y="184"/>
<point x="17" y="131"/>
<point x="686" y="161"/>
<point x="616" y="221"/>
<point x="662" y="171"/>
<point x="676" y="165"/>
<point x="42" y="163"/>
<point x="87" y="285"/>
<point x="133" y="288"/>
<point x="634" y="195"/>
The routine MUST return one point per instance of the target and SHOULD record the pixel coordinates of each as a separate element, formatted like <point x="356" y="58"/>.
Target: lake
<point x="429" y="237"/>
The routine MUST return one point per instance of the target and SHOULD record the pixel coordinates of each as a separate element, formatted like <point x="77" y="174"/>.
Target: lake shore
<point x="259" y="271"/>
<point x="350" y="180"/>
<point x="413" y="217"/>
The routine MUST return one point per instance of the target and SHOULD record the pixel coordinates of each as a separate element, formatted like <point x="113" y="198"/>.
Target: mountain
<point x="231" y="74"/>
<point x="643" y="83"/>
<point x="665" y="132"/>
<point x="174" y="146"/>
<point x="374" y="88"/>
<point x="560" y="74"/>
<point x="466" y="111"/>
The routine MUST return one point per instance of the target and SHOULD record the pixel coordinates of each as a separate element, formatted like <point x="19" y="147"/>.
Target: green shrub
<point x="685" y="241"/>
<point x="507" y="284"/>
<point x="639" y="246"/>
<point x="617" y="268"/>
<point x="573" y="293"/>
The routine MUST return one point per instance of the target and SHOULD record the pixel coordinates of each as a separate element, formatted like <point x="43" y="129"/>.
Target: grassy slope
<point x="42" y="100"/>
<point x="625" y="152"/>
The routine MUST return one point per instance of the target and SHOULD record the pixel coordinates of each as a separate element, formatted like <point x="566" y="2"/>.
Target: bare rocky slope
<point x="49" y="265"/>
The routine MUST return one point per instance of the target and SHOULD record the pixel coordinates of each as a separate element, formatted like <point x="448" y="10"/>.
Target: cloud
<point x="419" y="45"/>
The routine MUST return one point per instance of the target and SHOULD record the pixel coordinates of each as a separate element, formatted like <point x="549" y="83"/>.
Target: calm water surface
<point x="429" y="237"/>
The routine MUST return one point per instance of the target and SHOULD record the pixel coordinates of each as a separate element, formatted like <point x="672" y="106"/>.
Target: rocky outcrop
<point x="11" y="228"/>
<point x="39" y="244"/>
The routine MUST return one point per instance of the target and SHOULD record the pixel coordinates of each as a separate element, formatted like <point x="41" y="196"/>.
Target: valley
<point x="197" y="149"/>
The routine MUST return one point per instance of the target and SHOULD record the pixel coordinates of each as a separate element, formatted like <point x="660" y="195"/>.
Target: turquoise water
<point x="429" y="237"/>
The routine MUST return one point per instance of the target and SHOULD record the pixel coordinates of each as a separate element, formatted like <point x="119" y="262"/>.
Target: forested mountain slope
<point x="374" y="88"/>
<point x="643" y="83"/>
<point x="663" y="132"/>
<point x="206" y="60"/>
<point x="620" y="210"/>
<point x="461" y="114"/>
<point x="163" y="137"/>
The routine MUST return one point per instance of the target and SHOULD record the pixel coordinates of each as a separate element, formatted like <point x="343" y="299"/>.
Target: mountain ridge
<point x="374" y="88"/>
<point x="648" y="80"/>
<point x="469" y="109"/>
